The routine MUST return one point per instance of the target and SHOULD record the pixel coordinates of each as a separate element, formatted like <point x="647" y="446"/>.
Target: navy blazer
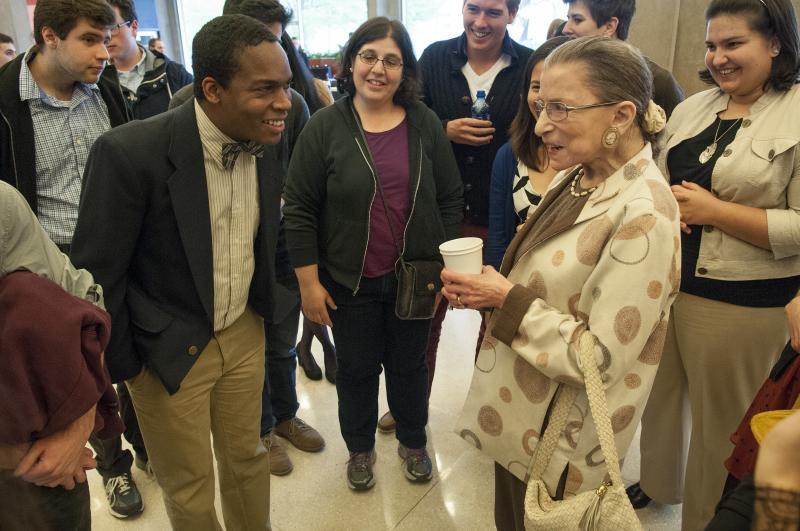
<point x="144" y="232"/>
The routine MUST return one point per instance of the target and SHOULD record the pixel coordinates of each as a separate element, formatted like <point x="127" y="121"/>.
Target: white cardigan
<point x="760" y="168"/>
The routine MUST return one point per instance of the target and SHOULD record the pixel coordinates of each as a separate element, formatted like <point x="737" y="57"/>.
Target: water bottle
<point x="480" y="109"/>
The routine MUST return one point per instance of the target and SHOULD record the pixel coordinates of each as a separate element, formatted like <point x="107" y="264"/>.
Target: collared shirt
<point x="24" y="245"/>
<point x="133" y="77"/>
<point x="234" y="211"/>
<point x="63" y="132"/>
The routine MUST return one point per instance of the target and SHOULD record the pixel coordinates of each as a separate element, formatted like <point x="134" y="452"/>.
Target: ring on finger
<point x="458" y="300"/>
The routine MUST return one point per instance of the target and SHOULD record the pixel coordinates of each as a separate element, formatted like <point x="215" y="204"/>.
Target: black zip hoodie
<point x="331" y="186"/>
<point x="17" y="146"/>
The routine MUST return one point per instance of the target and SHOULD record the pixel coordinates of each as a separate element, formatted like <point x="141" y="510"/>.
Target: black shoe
<point x="123" y="497"/>
<point x="638" y="498"/>
<point x="306" y="360"/>
<point x="359" y="470"/>
<point x="417" y="464"/>
<point x="330" y="364"/>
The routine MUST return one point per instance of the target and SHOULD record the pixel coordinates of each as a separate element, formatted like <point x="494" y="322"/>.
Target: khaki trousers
<point x="716" y="357"/>
<point x="221" y="396"/>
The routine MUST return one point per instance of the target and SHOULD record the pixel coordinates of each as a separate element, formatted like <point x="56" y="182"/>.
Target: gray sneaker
<point x="359" y="470"/>
<point x="417" y="464"/>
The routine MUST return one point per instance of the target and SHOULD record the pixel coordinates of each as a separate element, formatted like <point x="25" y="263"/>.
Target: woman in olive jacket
<point x="344" y="249"/>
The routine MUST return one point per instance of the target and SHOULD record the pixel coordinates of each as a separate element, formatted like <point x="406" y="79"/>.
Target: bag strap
<point x="555" y="426"/>
<point x="599" y="410"/>
<point x="374" y="169"/>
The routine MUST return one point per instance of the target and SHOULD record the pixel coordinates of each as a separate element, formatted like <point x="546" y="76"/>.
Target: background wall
<point x="672" y="33"/>
<point x="15" y="23"/>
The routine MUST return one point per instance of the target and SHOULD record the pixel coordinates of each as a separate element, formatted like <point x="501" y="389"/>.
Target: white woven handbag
<point x="605" y="509"/>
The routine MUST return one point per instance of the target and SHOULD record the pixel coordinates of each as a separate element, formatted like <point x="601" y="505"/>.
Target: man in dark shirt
<point x="148" y="78"/>
<point x="613" y="19"/>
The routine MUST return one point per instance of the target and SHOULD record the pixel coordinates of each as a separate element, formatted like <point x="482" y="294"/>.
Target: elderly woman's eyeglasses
<point x="116" y="27"/>
<point x="558" y="111"/>
<point x="371" y="59"/>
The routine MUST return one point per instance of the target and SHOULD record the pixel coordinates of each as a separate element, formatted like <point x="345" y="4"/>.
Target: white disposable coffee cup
<point x="463" y="255"/>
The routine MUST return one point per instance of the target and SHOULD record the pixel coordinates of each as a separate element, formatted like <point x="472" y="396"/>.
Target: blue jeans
<point x="279" y="398"/>
<point x="369" y="336"/>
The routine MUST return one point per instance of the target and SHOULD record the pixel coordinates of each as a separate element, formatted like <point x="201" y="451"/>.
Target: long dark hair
<point x="376" y="29"/>
<point x="302" y="80"/>
<point x="524" y="141"/>
<point x="770" y="18"/>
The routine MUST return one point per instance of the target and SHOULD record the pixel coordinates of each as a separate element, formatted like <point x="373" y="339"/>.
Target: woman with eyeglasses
<point x="598" y="256"/>
<point x="521" y="172"/>
<point x="372" y="178"/>
<point x="731" y="155"/>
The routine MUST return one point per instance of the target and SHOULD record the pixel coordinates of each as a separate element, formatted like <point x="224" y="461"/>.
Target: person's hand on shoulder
<point x="777" y="478"/>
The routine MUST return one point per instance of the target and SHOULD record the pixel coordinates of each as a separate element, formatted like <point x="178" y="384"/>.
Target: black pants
<point x="369" y="335"/>
<point x="279" y="399"/>
<point x="112" y="460"/>
<point x="735" y="509"/>
<point x="26" y="507"/>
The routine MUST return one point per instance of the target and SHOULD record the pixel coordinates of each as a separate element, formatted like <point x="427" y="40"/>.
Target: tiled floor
<point x="315" y="495"/>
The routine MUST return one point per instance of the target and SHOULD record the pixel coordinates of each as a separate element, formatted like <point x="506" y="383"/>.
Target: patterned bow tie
<point x="230" y="152"/>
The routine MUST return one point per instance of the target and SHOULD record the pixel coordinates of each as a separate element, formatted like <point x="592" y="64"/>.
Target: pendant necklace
<point x="709" y="151"/>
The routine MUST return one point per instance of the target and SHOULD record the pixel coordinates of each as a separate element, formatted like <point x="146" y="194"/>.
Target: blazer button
<point x="470" y="159"/>
<point x="193" y="350"/>
<point x="702" y="271"/>
<point x="727" y="153"/>
<point x="708" y="228"/>
<point x="771" y="154"/>
<point x="468" y="187"/>
<point x="746" y="123"/>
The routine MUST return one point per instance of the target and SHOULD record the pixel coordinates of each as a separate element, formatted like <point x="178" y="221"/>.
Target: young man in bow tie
<point x="178" y="222"/>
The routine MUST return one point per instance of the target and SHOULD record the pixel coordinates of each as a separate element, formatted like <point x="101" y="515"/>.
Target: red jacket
<point x="51" y="368"/>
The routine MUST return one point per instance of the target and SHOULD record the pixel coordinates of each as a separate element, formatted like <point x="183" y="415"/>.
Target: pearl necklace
<point x="574" y="184"/>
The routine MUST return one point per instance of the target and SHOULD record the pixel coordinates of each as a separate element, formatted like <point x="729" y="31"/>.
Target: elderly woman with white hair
<point x="596" y="263"/>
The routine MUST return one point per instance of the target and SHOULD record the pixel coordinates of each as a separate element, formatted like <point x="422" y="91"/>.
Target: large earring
<point x="610" y="137"/>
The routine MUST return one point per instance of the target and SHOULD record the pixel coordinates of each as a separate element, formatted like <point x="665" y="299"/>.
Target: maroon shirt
<point x="52" y="365"/>
<point x="389" y="151"/>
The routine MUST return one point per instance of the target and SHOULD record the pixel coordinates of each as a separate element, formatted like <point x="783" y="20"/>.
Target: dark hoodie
<point x="331" y="186"/>
<point x="163" y="77"/>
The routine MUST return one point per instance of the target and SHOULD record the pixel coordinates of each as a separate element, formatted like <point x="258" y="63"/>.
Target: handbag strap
<point x="374" y="169"/>
<point x="599" y="410"/>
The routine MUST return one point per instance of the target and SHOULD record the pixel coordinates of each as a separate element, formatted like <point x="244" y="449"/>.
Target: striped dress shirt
<point x="234" y="211"/>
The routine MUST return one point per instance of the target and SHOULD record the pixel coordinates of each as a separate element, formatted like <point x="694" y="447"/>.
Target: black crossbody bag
<point x="418" y="281"/>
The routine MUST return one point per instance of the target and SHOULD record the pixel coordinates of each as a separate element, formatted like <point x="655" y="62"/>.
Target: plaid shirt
<point x="63" y="135"/>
